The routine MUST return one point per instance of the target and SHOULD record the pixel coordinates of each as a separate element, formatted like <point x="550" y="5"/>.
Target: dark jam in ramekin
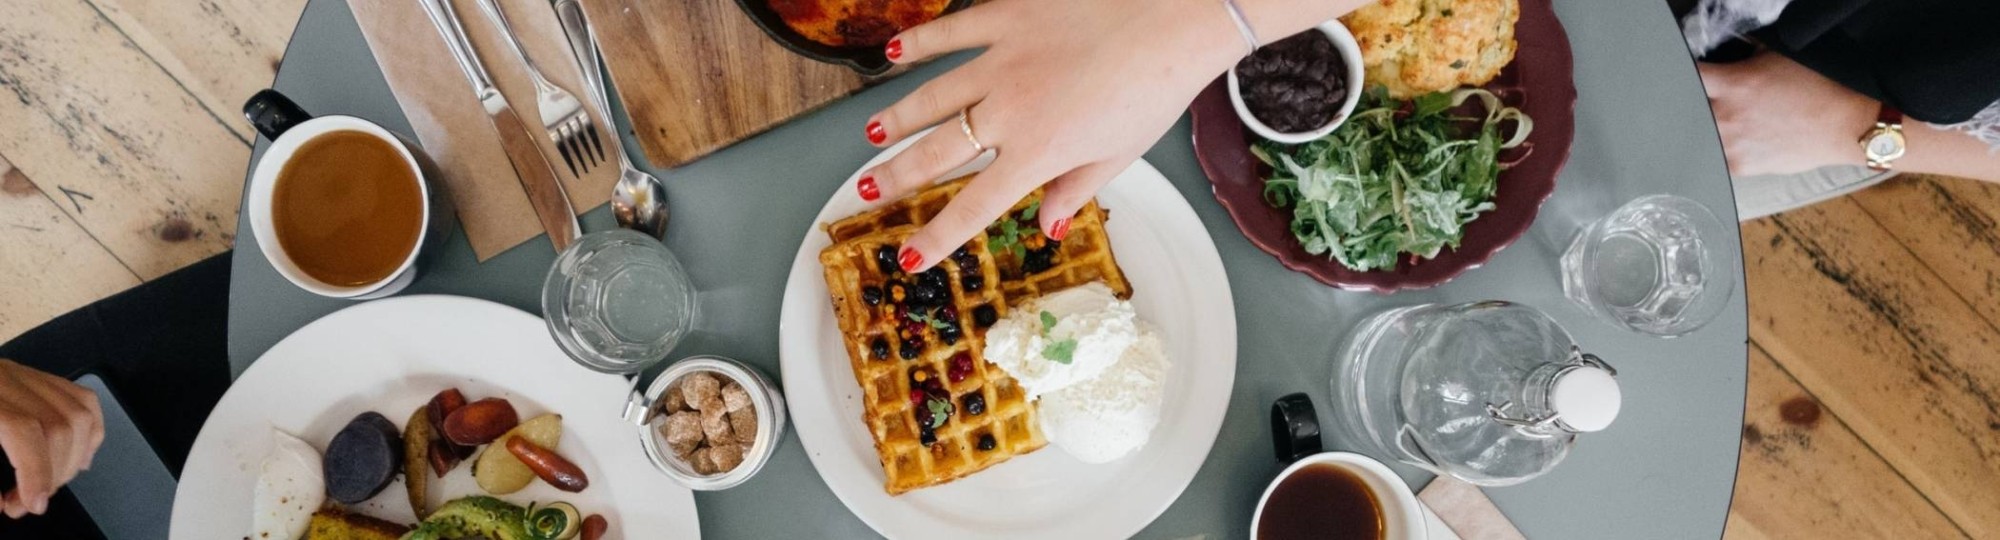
<point x="1295" y="85"/>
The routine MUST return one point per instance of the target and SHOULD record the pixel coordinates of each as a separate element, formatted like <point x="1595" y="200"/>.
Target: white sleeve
<point x="1714" y="22"/>
<point x="1984" y="126"/>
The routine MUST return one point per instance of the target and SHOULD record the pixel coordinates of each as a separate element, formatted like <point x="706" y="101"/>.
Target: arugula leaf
<point x="1398" y="177"/>
<point x="1062" y="352"/>
<point x="1048" y="322"/>
<point x="1431" y="104"/>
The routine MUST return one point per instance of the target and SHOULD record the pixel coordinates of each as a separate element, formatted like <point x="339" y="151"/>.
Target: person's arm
<point x="1778" y="117"/>
<point x="1277" y="19"/>
<point x="1068" y="93"/>
<point x="50" y="428"/>
<point x="1932" y="150"/>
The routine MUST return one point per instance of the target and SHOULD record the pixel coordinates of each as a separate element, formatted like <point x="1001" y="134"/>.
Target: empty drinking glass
<point x="1658" y="265"/>
<point x="618" y="301"/>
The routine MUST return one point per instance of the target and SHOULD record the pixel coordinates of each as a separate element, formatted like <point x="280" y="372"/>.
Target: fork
<point x="565" y="118"/>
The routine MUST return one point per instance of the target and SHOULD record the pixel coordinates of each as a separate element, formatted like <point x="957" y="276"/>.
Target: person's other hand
<point x="50" y="428"/>
<point x="1068" y="93"/>
<point x="1779" y="117"/>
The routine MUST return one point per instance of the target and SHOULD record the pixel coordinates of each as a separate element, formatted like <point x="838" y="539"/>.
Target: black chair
<point x="160" y="351"/>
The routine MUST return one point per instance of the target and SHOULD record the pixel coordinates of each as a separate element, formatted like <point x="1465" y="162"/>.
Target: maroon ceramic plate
<point x="1538" y="82"/>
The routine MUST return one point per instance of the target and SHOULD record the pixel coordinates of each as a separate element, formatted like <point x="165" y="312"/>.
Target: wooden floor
<point x="1874" y="400"/>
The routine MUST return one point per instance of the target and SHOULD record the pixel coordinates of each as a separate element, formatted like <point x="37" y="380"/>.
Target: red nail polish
<point x="910" y="259"/>
<point x="1059" y="229"/>
<point x="869" y="192"/>
<point x="894" y="50"/>
<point x="875" y="132"/>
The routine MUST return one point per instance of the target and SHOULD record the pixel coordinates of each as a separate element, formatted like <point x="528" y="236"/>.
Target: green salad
<point x="1398" y="177"/>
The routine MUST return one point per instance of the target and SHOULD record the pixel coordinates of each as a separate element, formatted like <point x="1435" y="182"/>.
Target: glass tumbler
<point x="1657" y="265"/>
<point x="618" y="301"/>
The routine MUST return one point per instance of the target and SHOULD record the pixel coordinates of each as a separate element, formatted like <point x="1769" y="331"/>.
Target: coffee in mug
<point x="347" y="208"/>
<point x="1330" y="495"/>
<point x="1323" y="501"/>
<point x="339" y="205"/>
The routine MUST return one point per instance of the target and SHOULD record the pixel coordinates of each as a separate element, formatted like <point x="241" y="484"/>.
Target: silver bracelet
<point x="1242" y="24"/>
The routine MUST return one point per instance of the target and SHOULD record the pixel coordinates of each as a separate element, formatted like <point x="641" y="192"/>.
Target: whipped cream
<point x="1106" y="418"/>
<point x="1101" y="325"/>
<point x="1104" y="402"/>
<point x="290" y="488"/>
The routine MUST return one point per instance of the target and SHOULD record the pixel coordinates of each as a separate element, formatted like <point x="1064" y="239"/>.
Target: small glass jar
<point x="764" y="398"/>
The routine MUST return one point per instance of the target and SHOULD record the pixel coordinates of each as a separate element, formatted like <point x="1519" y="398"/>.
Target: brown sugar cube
<point x="700" y="387"/>
<point x="715" y="426"/>
<point x="671" y="401"/>
<point x="714" y="403"/>
<point x="701" y="462"/>
<point x="744" y="423"/>
<point x="734" y="397"/>
<point x="682" y="431"/>
<point x="726" y="456"/>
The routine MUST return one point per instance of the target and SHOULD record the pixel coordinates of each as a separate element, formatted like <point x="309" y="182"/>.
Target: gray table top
<point x="1664" y="470"/>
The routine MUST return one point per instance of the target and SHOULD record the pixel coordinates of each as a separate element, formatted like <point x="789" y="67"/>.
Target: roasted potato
<point x="498" y="472"/>
<point x="416" y="459"/>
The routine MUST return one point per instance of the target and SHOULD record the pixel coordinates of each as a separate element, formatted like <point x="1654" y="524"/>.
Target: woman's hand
<point x="1068" y="92"/>
<point x="50" y="428"/>
<point x="1779" y="117"/>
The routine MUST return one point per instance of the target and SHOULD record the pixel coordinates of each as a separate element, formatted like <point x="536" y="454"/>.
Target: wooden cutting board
<point x="698" y="75"/>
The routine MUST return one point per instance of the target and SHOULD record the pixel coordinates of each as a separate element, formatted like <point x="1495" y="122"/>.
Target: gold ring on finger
<point x="965" y="125"/>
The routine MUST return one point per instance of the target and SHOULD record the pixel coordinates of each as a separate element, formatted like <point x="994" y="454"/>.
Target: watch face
<point x="1885" y="145"/>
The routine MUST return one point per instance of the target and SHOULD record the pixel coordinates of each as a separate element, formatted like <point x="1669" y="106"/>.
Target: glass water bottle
<point x="1492" y="393"/>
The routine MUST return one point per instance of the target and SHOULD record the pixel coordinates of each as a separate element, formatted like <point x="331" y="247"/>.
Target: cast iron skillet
<point x="868" y="61"/>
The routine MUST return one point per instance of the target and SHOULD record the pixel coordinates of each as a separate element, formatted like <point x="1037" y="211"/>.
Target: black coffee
<point x="1324" y="502"/>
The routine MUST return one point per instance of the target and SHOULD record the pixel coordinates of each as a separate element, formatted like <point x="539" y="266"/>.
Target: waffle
<point x="889" y="350"/>
<point x="1082" y="257"/>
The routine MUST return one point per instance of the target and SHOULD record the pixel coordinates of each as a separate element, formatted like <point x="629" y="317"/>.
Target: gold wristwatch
<point x="1883" y="144"/>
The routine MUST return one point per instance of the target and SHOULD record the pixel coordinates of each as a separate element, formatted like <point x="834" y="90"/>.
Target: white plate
<point x="391" y="356"/>
<point x="1178" y="285"/>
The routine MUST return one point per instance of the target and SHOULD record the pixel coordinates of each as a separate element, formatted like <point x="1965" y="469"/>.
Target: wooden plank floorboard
<point x="1885" y="345"/>
<point x="1950" y="225"/>
<point x="1805" y="475"/>
<point x="221" y="51"/>
<point x="48" y="264"/>
<point x="124" y="148"/>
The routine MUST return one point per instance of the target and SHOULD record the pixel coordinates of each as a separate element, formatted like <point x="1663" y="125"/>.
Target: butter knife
<point x="536" y="172"/>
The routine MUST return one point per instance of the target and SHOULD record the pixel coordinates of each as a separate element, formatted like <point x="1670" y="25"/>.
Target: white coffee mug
<point x="1402" y="515"/>
<point x="289" y="128"/>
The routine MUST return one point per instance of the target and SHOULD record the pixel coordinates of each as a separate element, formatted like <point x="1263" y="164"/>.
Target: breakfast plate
<point x="1539" y="82"/>
<point x="391" y="356"/>
<point x="1179" y="286"/>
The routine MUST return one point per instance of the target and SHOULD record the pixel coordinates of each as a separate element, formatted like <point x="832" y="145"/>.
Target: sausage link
<point x="548" y="465"/>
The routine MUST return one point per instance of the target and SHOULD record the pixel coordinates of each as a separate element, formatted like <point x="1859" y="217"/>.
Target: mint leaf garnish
<point x="1061" y="352"/>
<point x="940" y="409"/>
<point x="1006" y="238"/>
<point x="1006" y="235"/>
<point x="933" y="322"/>
<point x="1048" y="322"/>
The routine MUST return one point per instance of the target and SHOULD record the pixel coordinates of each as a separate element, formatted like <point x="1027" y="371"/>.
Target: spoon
<point x="638" y="200"/>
